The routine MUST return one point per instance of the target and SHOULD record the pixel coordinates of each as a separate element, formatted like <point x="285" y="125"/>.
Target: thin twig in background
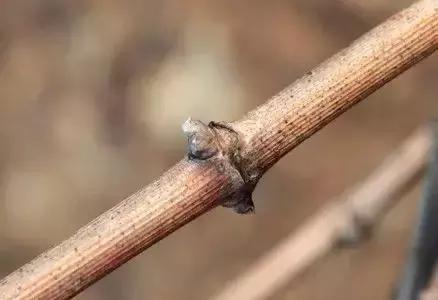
<point x="248" y="148"/>
<point x="420" y="263"/>
<point x="341" y="219"/>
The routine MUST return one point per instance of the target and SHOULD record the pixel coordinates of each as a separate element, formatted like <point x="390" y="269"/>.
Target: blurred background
<point x="92" y="97"/>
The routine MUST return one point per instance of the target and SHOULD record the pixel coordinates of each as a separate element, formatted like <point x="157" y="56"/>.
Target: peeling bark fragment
<point x="241" y="202"/>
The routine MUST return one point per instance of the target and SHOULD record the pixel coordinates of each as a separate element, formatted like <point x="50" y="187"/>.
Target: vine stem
<point x="191" y="188"/>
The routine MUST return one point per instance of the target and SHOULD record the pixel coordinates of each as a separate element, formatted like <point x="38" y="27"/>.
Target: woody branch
<point x="241" y="156"/>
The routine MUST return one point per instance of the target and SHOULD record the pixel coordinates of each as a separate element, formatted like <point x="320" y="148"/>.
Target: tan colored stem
<point x="191" y="188"/>
<point x="327" y="91"/>
<point x="322" y="232"/>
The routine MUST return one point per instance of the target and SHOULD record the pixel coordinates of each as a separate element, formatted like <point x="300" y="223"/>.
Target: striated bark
<point x="245" y="151"/>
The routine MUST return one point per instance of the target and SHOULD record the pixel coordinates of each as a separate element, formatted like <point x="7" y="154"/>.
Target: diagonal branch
<point x="240" y="156"/>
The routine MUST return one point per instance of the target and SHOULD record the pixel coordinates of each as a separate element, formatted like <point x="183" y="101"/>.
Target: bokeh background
<point x="92" y="95"/>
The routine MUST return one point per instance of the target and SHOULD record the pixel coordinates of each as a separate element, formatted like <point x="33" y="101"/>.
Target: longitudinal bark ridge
<point x="266" y="134"/>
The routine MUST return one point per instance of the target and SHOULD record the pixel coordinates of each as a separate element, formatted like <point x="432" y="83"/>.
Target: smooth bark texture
<point x="193" y="187"/>
<point x="341" y="220"/>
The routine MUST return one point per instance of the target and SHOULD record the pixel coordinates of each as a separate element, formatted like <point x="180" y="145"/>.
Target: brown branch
<point x="241" y="154"/>
<point x="341" y="219"/>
